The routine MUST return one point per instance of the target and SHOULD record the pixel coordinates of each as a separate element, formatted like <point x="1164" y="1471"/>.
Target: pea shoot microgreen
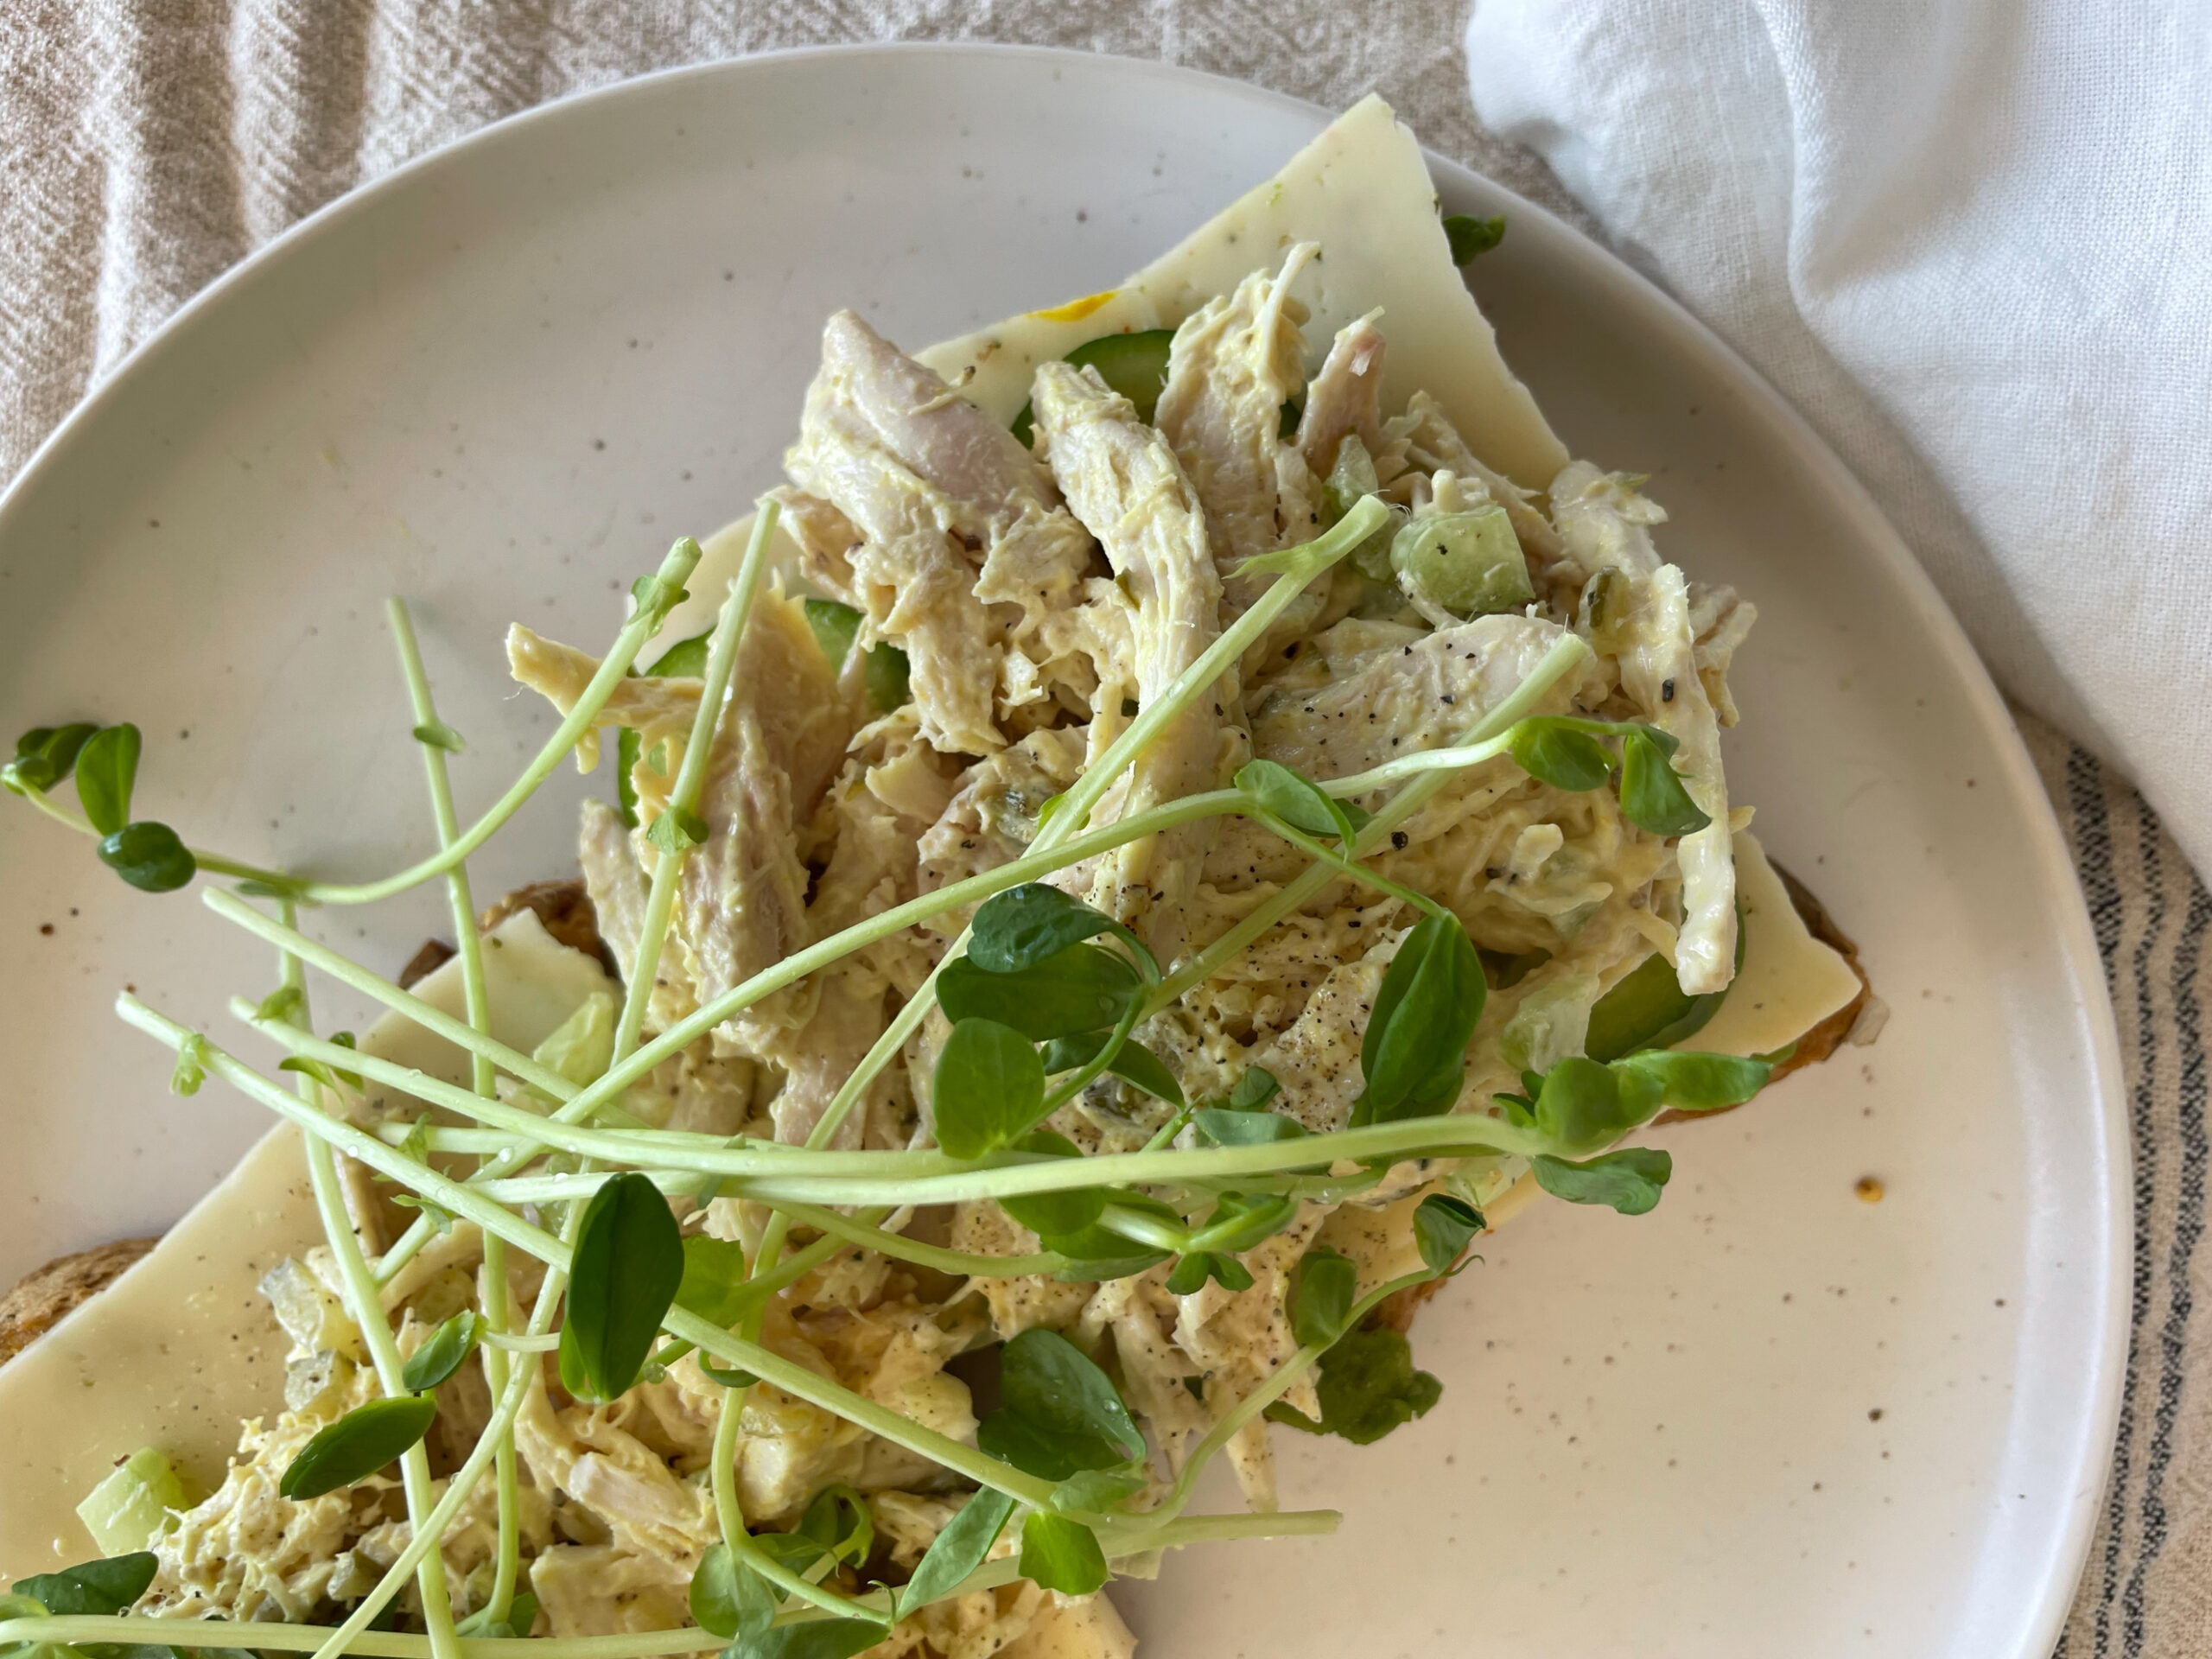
<point x="1060" y="1553"/>
<point x="444" y="1351"/>
<point x="366" y="1439"/>
<point x="627" y="1266"/>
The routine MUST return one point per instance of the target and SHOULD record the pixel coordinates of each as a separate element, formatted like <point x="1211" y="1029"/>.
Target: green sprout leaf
<point x="150" y="856"/>
<point x="1652" y="796"/>
<point x="521" y="1613"/>
<point x="1016" y="931"/>
<point x="44" y="756"/>
<point x="1690" y="1080"/>
<point x="191" y="1068"/>
<point x="656" y="596"/>
<point x="1194" y="1268"/>
<point x="439" y="735"/>
<point x="1240" y="1220"/>
<point x="1132" y="1062"/>
<point x="1058" y="1413"/>
<point x="677" y="829"/>
<point x="1442" y="1229"/>
<point x="1253" y="1088"/>
<point x="1552" y="750"/>
<point x="959" y="1549"/>
<point x="1299" y="801"/>
<point x="628" y="1268"/>
<point x="441" y="1218"/>
<point x="107" y="770"/>
<point x="1097" y="1254"/>
<point x="1471" y="236"/>
<point x="363" y="1440"/>
<point x="839" y="1519"/>
<point x="1060" y="1553"/>
<point x="100" y="1589"/>
<point x="835" y="627"/>
<point x="1094" y="1492"/>
<point x="713" y="1286"/>
<point x="442" y="1353"/>
<point x="1414" y="1053"/>
<point x="1048" y="1213"/>
<point x="1084" y="988"/>
<point x="887" y="677"/>
<point x="1321" y="1300"/>
<point x="1583" y="1107"/>
<point x="988" y="1089"/>
<point x="283" y="1006"/>
<point x="1367" y="1387"/>
<point x="685" y="659"/>
<point x="817" y="1638"/>
<point x="1629" y="1179"/>
<point x="1228" y="1128"/>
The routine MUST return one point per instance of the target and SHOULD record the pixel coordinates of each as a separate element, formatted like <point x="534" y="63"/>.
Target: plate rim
<point x="2076" y="941"/>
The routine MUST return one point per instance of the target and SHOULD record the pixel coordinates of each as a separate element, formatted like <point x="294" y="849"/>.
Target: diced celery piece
<point x="124" y="1511"/>
<point x="1353" y="475"/>
<point x="581" y="1046"/>
<point x="1469" y="562"/>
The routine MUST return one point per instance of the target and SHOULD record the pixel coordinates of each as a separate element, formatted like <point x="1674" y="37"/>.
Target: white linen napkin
<point x="1972" y="240"/>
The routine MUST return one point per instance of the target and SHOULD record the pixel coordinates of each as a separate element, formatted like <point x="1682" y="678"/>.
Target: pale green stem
<point x="476" y="1001"/>
<point x="691" y="776"/>
<point x="900" y="1248"/>
<point x="367" y="1308"/>
<point x="675" y="569"/>
<point x="211" y="864"/>
<point x="469" y="1204"/>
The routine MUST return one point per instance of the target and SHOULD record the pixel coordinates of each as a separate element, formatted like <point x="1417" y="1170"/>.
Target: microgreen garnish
<point x="191" y="1068"/>
<point x="1414" y="1049"/>
<point x="839" y="1520"/>
<point x="439" y="735"/>
<point x="988" y="1089"/>
<point x="627" y="1267"/>
<point x="1255" y="1087"/>
<point x="149" y="857"/>
<point x="444" y="1351"/>
<point x="728" y="1598"/>
<point x="101" y="1588"/>
<point x="363" y="1440"/>
<point x="1060" y="1553"/>
<point x="818" y="1639"/>
<point x="107" y="771"/>
<point x="1321" y="1300"/>
<point x="1367" y="1388"/>
<point x="1058" y="1413"/>
<point x="959" y="1549"/>
<point x="1054" y="1213"/>
<point x="1565" y="754"/>
<point x="1299" y="801"/>
<point x="1132" y="1062"/>
<point x="44" y="756"/>
<point x="1470" y="236"/>
<point x="1442" y="1227"/>
<point x="713" y="1285"/>
<point x="1629" y="1179"/>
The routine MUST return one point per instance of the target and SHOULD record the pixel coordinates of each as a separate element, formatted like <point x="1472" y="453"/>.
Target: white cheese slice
<point x="182" y="1348"/>
<point x="1361" y="190"/>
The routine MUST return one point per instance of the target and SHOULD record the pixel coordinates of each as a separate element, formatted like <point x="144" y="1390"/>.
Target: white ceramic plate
<point x="1769" y="1418"/>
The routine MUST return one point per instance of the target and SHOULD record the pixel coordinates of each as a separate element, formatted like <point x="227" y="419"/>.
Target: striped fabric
<point x="146" y="146"/>
<point x="2148" y="1589"/>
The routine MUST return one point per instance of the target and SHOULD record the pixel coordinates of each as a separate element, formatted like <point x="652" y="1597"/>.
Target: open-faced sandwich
<point x="1184" y="810"/>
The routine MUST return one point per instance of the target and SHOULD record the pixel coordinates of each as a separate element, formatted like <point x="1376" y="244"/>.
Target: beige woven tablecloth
<point x="149" y="146"/>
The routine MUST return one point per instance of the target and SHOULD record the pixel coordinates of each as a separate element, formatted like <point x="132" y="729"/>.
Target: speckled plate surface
<point x="1769" y="1418"/>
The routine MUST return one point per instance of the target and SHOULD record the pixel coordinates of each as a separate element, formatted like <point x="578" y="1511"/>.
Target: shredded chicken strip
<point x="1344" y="397"/>
<point x="1125" y="485"/>
<point x="953" y="516"/>
<point x="1234" y="363"/>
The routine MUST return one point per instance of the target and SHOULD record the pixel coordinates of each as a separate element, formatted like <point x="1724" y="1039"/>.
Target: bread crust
<point x="63" y="1284"/>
